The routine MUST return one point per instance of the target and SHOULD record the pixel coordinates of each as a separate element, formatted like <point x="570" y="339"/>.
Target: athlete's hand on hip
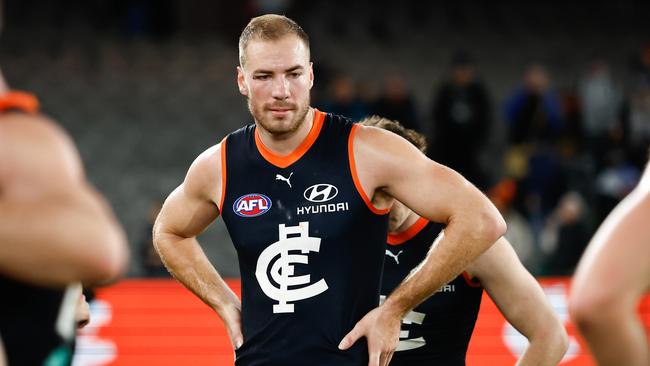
<point x="381" y="329"/>
<point x="231" y="316"/>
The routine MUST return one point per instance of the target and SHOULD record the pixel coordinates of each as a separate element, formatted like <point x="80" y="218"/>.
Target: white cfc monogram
<point x="291" y="239"/>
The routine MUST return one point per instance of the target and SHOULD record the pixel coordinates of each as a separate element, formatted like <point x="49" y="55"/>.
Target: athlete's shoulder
<point x="380" y="140"/>
<point x="204" y="177"/>
<point x="37" y="144"/>
<point x="20" y="128"/>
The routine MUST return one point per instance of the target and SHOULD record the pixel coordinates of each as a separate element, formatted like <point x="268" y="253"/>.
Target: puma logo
<point x="394" y="256"/>
<point x="279" y="177"/>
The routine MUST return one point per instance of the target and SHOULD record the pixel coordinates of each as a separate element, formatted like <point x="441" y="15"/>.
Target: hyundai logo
<point x="320" y="192"/>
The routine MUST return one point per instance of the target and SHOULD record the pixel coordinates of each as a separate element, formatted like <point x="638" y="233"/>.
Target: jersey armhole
<point x="355" y="177"/>
<point x="223" y="174"/>
<point x="471" y="281"/>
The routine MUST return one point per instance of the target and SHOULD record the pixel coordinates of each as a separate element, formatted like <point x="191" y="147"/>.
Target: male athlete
<point x="55" y="230"/>
<point x="611" y="278"/>
<point x="311" y="244"/>
<point x="437" y="332"/>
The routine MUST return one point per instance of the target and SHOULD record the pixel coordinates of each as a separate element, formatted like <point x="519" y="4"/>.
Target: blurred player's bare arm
<point x="187" y="212"/>
<point x="611" y="277"/>
<point x="54" y="228"/>
<point x="521" y="300"/>
<point x="389" y="166"/>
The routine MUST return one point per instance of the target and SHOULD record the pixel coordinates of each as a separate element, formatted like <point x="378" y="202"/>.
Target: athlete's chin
<point x="278" y="126"/>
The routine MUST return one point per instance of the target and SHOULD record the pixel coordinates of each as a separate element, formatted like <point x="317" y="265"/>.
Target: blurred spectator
<point x="565" y="236"/>
<point x="369" y="94"/>
<point x="601" y="101"/>
<point x="533" y="111"/>
<point x="535" y="124"/>
<point x="644" y="66"/>
<point x="639" y="125"/>
<point x="398" y="104"/>
<point x="152" y="266"/>
<point x="462" y="120"/>
<point x="614" y="183"/>
<point x="541" y="188"/>
<point x="519" y="232"/>
<point x="344" y="99"/>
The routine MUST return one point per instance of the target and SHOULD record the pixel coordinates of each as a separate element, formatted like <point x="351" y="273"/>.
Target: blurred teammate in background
<point x="55" y="231"/>
<point x="437" y="332"/>
<point x="611" y="278"/>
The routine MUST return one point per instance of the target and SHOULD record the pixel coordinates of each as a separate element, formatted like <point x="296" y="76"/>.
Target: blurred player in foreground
<point x="611" y="278"/>
<point x="55" y="231"/>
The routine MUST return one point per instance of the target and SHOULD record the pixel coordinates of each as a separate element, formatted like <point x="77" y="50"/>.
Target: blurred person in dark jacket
<point x="397" y="103"/>
<point x="566" y="235"/>
<point x="462" y="120"/>
<point x="533" y="111"/>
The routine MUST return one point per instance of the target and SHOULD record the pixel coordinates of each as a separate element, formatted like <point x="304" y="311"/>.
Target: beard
<point x="280" y="126"/>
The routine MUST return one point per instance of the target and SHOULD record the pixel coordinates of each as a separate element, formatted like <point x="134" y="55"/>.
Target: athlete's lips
<point x="280" y="112"/>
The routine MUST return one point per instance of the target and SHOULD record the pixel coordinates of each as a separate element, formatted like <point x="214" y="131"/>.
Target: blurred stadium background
<point x="547" y="105"/>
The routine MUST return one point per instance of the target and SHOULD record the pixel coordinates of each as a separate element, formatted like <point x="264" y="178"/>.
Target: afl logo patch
<point x="320" y="192"/>
<point x="251" y="205"/>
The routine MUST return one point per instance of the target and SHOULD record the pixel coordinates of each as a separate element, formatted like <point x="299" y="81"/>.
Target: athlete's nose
<point x="280" y="88"/>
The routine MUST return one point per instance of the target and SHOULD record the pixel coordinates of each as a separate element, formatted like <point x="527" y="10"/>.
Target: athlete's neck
<point x="407" y="223"/>
<point x="286" y="143"/>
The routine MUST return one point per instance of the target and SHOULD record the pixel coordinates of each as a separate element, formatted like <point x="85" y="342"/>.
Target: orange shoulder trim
<point x="19" y="100"/>
<point x="355" y="177"/>
<point x="470" y="281"/>
<point x="223" y="173"/>
<point x="409" y="233"/>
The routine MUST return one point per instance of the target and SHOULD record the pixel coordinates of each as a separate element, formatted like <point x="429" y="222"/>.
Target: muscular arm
<point x="389" y="165"/>
<point x="187" y="212"/>
<point x="521" y="300"/>
<point x="54" y="228"/>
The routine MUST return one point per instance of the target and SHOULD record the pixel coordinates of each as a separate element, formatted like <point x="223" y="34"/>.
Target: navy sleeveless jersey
<point x="37" y="324"/>
<point x="309" y="242"/>
<point x="436" y="332"/>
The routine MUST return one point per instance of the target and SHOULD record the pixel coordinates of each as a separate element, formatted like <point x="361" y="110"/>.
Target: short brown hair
<point x="269" y="27"/>
<point x="417" y="139"/>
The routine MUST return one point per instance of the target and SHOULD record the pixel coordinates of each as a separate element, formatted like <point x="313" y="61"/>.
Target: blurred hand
<point x="381" y="329"/>
<point x="82" y="312"/>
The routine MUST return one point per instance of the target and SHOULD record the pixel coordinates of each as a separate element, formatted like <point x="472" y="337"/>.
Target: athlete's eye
<point x="294" y="75"/>
<point x="262" y="77"/>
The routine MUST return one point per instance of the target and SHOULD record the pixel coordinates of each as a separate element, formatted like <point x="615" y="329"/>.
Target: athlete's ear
<point x="241" y="81"/>
<point x="311" y="75"/>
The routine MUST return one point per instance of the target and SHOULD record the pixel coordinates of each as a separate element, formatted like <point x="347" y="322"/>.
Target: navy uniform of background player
<point x="305" y="197"/>
<point x="437" y="332"/>
<point x="54" y="231"/>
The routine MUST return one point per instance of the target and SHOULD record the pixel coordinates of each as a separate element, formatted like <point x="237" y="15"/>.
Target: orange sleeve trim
<point x="223" y="173"/>
<point x="286" y="160"/>
<point x="409" y="233"/>
<point x="470" y="281"/>
<point x="19" y="100"/>
<point x="355" y="177"/>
